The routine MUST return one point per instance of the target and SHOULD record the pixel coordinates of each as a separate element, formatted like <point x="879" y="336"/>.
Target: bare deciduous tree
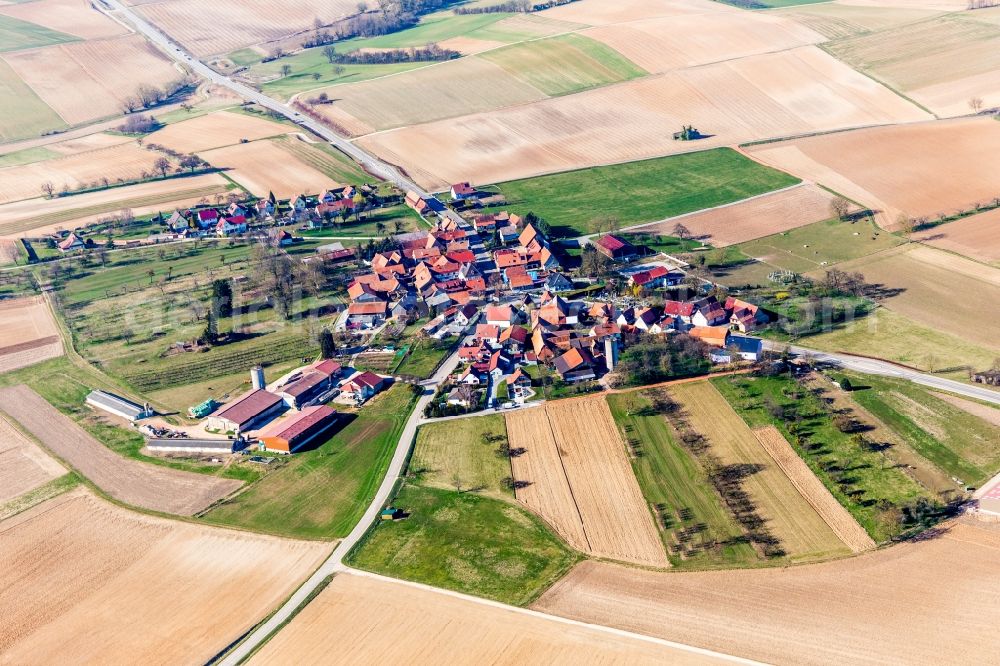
<point x="840" y="207"/>
<point x="976" y="104"/>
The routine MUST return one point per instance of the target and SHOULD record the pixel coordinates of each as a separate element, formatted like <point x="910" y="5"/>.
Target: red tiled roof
<point x="463" y="188"/>
<point x="612" y="243"/>
<point x="295" y="426"/>
<point x="367" y="308"/>
<point x="499" y="313"/>
<point x="249" y="406"/>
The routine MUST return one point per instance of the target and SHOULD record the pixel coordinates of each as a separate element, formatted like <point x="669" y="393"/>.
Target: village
<point x="484" y="284"/>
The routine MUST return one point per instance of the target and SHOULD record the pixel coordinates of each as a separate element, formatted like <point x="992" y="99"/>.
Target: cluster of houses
<point x="437" y="273"/>
<point x="581" y="340"/>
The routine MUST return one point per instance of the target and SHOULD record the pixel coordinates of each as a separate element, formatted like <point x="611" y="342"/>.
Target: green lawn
<point x="820" y="245"/>
<point x="23" y="114"/>
<point x="408" y="220"/>
<point x="565" y="64"/>
<point x="244" y="57"/>
<point x="673" y="481"/>
<point x="17" y="35"/>
<point x="424" y="356"/>
<point x="466" y="542"/>
<point x="964" y="446"/>
<point x="448" y="449"/>
<point x="322" y="493"/>
<point x="574" y="202"/>
<point x="871" y="488"/>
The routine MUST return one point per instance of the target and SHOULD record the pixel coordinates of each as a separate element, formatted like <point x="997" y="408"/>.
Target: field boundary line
<point x="621" y="633"/>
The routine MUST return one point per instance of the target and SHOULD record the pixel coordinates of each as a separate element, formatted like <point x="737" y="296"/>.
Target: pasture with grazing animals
<point x="80" y="567"/>
<point x="581" y="482"/>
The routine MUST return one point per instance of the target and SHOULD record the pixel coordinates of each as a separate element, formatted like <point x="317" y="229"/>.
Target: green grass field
<point x="23" y="114"/>
<point x="451" y="449"/>
<point x="432" y="28"/>
<point x="672" y="479"/>
<point x="959" y="443"/>
<point x="466" y="542"/>
<point x="322" y="493"/>
<point x="408" y="220"/>
<point x="27" y="156"/>
<point x="565" y="64"/>
<point x="574" y="202"/>
<point x="424" y="357"/>
<point x="871" y="487"/>
<point x="820" y="245"/>
<point x="18" y="35"/>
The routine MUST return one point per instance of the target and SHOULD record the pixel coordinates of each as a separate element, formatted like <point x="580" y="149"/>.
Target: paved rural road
<point x="886" y="369"/>
<point x="370" y="162"/>
<point x="335" y="563"/>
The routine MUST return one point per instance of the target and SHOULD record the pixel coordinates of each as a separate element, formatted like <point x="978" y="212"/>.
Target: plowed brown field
<point x="364" y="620"/>
<point x="215" y="130"/>
<point x="761" y="216"/>
<point x="28" y="334"/>
<point x="144" y="485"/>
<point x="802" y="531"/>
<point x="220" y="26"/>
<point x="836" y="516"/>
<point x="921" y="602"/>
<point x="85" y="581"/>
<point x="747" y="99"/>
<point x="75" y="17"/>
<point x="602" y="12"/>
<point x="23" y="466"/>
<point x="581" y="481"/>
<point x="262" y="167"/>
<point x="976" y="237"/>
<point x="921" y="169"/>
<point x="87" y="80"/>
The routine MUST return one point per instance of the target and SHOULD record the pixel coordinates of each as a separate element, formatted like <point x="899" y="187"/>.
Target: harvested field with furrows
<point x="836" y="20"/>
<point x="676" y="42"/>
<point x="989" y="414"/>
<point x="23" y="466"/>
<point x="601" y="12"/>
<point x="74" y="17"/>
<point x="78" y="571"/>
<point x="976" y="237"/>
<point x="836" y="516"/>
<point x="925" y="279"/>
<point x="195" y="23"/>
<point x="902" y="605"/>
<point x="87" y="80"/>
<point x="457" y="88"/>
<point x="143" y="485"/>
<point x="774" y="95"/>
<point x="761" y="216"/>
<point x="788" y="515"/>
<point x="262" y="167"/>
<point x="32" y="217"/>
<point x="125" y="161"/>
<point x="28" y="334"/>
<point x="215" y="130"/>
<point x="940" y="62"/>
<point x="354" y="615"/>
<point x="921" y="169"/>
<point x="87" y="143"/>
<point x="9" y="251"/>
<point x="581" y="481"/>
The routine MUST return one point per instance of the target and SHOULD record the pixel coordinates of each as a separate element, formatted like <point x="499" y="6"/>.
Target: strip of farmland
<point x="814" y="492"/>
<point x="23" y="466"/>
<point x="802" y="532"/>
<point x="578" y="471"/>
<point x="146" y="486"/>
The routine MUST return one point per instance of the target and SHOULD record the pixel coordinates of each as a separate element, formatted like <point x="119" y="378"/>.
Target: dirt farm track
<point x="926" y="602"/>
<point x="144" y="485"/>
<point x="84" y="581"/>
